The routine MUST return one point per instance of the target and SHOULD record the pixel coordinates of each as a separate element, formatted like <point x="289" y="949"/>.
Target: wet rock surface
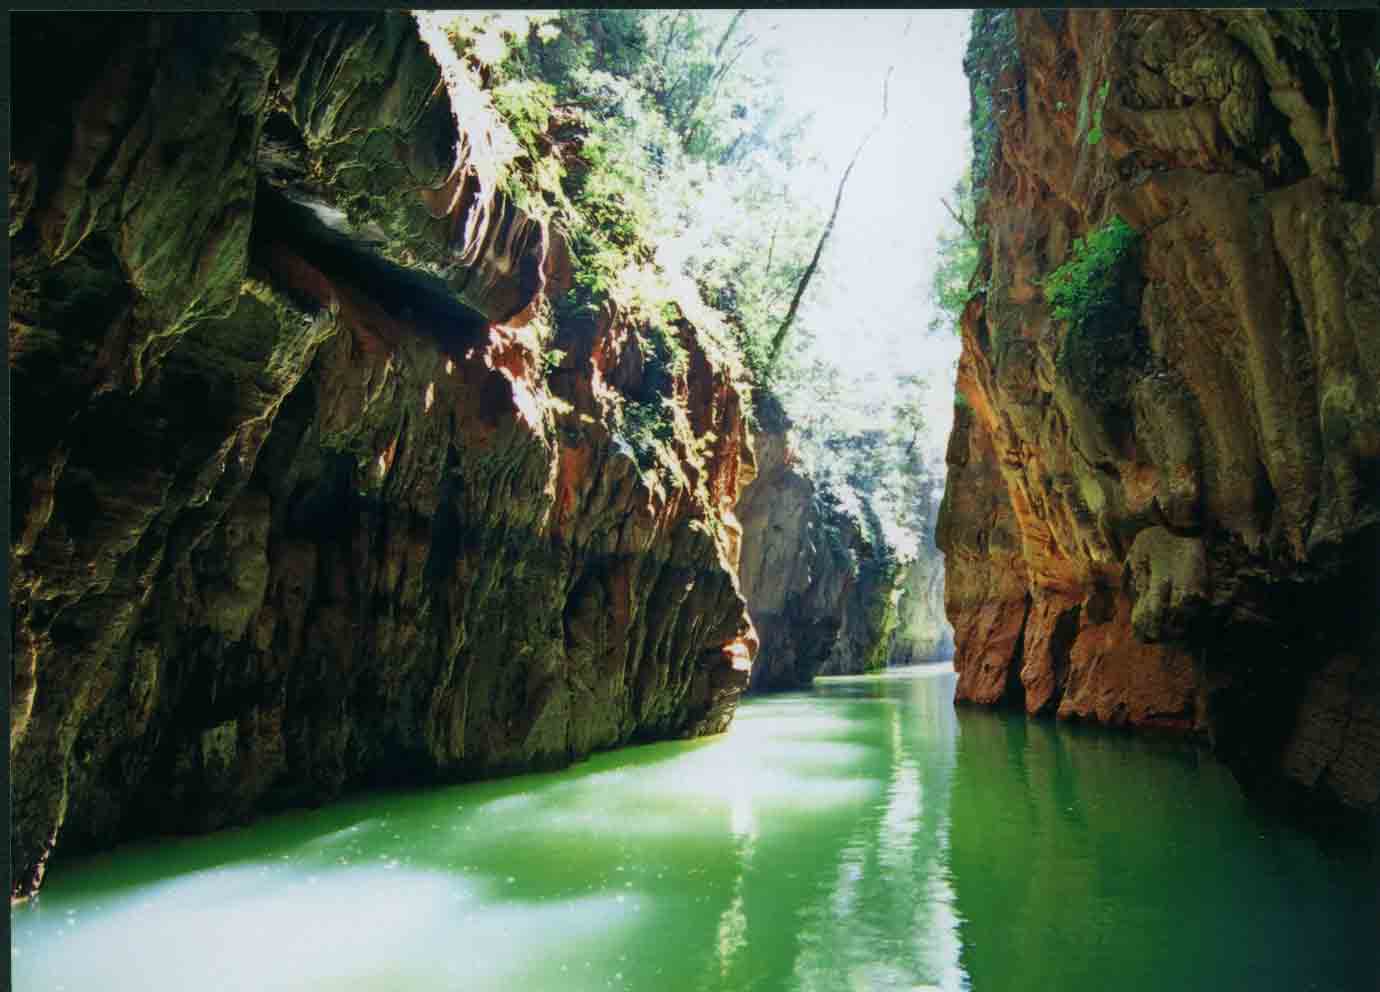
<point x="297" y="506"/>
<point x="1187" y="537"/>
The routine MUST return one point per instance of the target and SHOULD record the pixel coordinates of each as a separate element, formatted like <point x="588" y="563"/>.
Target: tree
<point x="674" y="135"/>
<point x="779" y="338"/>
<point x="958" y="252"/>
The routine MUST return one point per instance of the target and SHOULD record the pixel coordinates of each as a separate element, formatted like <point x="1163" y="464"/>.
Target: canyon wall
<point x="822" y="597"/>
<point x="1169" y="515"/>
<point x="867" y="611"/>
<point x="313" y="487"/>
<point x="923" y="633"/>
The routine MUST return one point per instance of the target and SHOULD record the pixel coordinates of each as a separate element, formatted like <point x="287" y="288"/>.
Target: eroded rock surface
<point x="296" y="505"/>
<point x="1177" y="525"/>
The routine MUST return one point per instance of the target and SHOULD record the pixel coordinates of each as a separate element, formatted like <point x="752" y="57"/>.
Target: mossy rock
<point x="1103" y="351"/>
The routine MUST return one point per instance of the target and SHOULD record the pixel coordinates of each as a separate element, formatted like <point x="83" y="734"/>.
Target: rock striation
<point x="1169" y="515"/>
<point x="299" y="502"/>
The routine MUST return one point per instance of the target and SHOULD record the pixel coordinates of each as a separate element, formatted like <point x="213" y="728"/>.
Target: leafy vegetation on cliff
<point x="659" y="144"/>
<point x="991" y="53"/>
<point x="958" y="252"/>
<point x="655" y="139"/>
<point x="865" y="454"/>
<point x="1090" y="293"/>
<point x="1084" y="287"/>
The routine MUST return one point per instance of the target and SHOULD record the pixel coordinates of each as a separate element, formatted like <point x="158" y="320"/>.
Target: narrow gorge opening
<point x="692" y="499"/>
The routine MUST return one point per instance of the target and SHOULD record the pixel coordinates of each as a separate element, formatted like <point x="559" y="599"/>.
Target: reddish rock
<point x="1183" y="532"/>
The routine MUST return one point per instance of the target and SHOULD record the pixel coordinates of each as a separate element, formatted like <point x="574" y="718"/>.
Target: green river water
<point x="861" y="836"/>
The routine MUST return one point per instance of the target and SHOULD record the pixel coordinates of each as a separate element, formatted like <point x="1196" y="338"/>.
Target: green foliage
<point x="959" y="250"/>
<point x="526" y="105"/>
<point x="668" y="130"/>
<point x="1095" y="133"/>
<point x="880" y="575"/>
<point x="664" y="358"/>
<point x="1089" y="291"/>
<point x="649" y="428"/>
<point x="1090" y="280"/>
<point x="551" y="359"/>
<point x="680" y="141"/>
<point x="861" y="443"/>
<point x="490" y="38"/>
<point x="991" y="52"/>
<point x="651" y="412"/>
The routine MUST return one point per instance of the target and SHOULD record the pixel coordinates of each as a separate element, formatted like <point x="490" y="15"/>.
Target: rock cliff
<point x="302" y="499"/>
<point x="824" y="599"/>
<point x="923" y="633"/>
<point x="1165" y="509"/>
<point x="867" y="610"/>
<point x="795" y="579"/>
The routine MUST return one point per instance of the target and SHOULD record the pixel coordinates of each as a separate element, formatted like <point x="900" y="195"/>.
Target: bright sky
<point x="871" y="308"/>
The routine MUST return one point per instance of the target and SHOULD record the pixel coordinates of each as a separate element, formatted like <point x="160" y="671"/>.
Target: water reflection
<point x="863" y="836"/>
<point x="1086" y="859"/>
<point x="885" y="922"/>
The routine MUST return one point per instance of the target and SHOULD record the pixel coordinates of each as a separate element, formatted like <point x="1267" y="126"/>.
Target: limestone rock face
<point x="794" y="577"/>
<point x="296" y="505"/>
<point x="1189" y="537"/>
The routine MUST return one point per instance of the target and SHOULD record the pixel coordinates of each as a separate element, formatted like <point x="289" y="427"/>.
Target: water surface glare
<point x="863" y="836"/>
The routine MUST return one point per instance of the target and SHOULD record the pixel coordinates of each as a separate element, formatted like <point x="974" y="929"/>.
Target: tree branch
<point x="718" y="49"/>
<point x="727" y="156"/>
<point x="670" y="37"/>
<point x="967" y="228"/>
<point x="713" y="86"/>
<point x="779" y="338"/>
<point x="724" y="69"/>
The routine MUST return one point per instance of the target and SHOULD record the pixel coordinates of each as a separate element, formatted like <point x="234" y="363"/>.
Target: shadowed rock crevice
<point x="1013" y="693"/>
<point x="410" y="297"/>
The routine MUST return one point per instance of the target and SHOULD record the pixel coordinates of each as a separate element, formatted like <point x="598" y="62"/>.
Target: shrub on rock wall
<point x="1096" y="292"/>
